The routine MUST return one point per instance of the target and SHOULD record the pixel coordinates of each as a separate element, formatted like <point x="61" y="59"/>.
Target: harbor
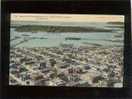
<point x="66" y="50"/>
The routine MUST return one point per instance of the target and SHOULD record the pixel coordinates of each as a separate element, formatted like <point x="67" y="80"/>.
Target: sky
<point x="66" y="17"/>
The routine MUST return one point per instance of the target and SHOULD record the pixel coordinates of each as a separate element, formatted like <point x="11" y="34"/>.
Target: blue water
<point x="55" y="39"/>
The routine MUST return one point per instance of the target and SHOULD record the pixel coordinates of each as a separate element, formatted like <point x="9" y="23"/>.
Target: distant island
<point x="58" y="29"/>
<point x="72" y="38"/>
<point x="116" y="23"/>
<point x="118" y="26"/>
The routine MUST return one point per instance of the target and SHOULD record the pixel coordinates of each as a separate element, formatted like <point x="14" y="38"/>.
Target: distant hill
<point x="116" y="23"/>
<point x="58" y="29"/>
<point x="57" y="23"/>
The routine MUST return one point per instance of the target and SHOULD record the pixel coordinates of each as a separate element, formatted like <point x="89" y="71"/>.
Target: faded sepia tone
<point x="79" y="50"/>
